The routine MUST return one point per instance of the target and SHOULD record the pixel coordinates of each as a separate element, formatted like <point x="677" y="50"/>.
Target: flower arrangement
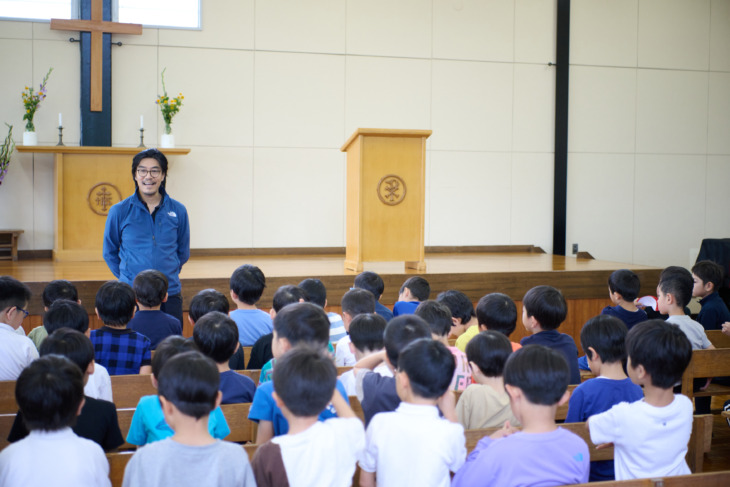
<point x="168" y="106"/>
<point x="32" y="102"/>
<point x="6" y="150"/>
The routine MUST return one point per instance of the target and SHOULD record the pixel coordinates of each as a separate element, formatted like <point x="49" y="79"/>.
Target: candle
<point x="141" y="121"/>
<point x="60" y="119"/>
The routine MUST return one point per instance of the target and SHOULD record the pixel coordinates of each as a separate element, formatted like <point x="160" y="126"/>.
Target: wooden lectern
<point x="385" y="197"/>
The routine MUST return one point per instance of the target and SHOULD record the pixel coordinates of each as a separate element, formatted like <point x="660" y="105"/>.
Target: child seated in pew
<point x="650" y="436"/>
<point x="247" y="285"/>
<point x="97" y="420"/>
<point x="189" y="396"/>
<point x="312" y="452"/>
<point x="317" y="294"/>
<point x="413" y="445"/>
<point x="16" y="350"/>
<point x="412" y="292"/>
<point x="149" y="420"/>
<point x="604" y="340"/>
<point x="150" y="290"/>
<point x="497" y="312"/>
<point x="366" y="335"/>
<point x="438" y="317"/>
<point x="54" y="290"/>
<point x="121" y="350"/>
<point x="50" y="393"/>
<point x="371" y="281"/>
<point x="464" y="319"/>
<point x="485" y="403"/>
<point x="203" y="303"/>
<point x="355" y="302"/>
<point x="536" y="379"/>
<point x="216" y="336"/>
<point x="543" y="310"/>
<point x="708" y="277"/>
<point x="294" y="324"/>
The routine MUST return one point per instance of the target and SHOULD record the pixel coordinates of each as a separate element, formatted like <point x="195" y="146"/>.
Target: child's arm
<point x="447" y="405"/>
<point x="342" y="409"/>
<point x="726" y="328"/>
<point x="506" y="430"/>
<point x="367" y="479"/>
<point x="370" y="361"/>
<point x="265" y="432"/>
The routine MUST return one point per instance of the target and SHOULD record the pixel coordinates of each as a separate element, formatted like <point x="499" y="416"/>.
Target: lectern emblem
<point x="102" y="196"/>
<point x="391" y="189"/>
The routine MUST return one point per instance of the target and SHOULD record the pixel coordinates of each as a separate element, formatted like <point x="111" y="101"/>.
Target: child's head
<point x="626" y="283"/>
<point x="462" y="309"/>
<point x="544" y="306"/>
<point x="14" y="298"/>
<point x="300" y="323"/>
<point x="65" y="314"/>
<point x="674" y="289"/>
<point x="604" y="335"/>
<point x="401" y="331"/>
<point x="541" y="373"/>
<point x="216" y="336"/>
<point x="248" y="283"/>
<point x="304" y="381"/>
<point x="438" y="317"/>
<point x="497" y="312"/>
<point x="150" y="288"/>
<point x="115" y="303"/>
<point x="168" y="348"/>
<point x="415" y="288"/>
<point x="59" y="289"/>
<point x="50" y="393"/>
<point x="707" y="276"/>
<point x="658" y="353"/>
<point x="287" y="294"/>
<point x="315" y="291"/>
<point x="366" y="332"/>
<point x="71" y="344"/>
<point x="370" y="281"/>
<point x="426" y="367"/>
<point x="489" y="351"/>
<point x="356" y="302"/>
<point x="190" y="381"/>
<point x="206" y="301"/>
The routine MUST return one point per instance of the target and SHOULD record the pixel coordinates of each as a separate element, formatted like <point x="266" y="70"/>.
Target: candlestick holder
<point x="60" y="135"/>
<point x="141" y="138"/>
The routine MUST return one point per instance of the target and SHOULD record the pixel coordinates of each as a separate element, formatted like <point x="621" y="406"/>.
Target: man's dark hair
<point x="661" y="348"/>
<point x="314" y="290"/>
<point x="150" y="154"/>
<point x="190" y="381"/>
<point x="419" y="287"/>
<point x="115" y="302"/>
<point x="65" y="314"/>
<point x="497" y="311"/>
<point x="547" y="305"/>
<point x="248" y="282"/>
<point x="540" y="372"/>
<point x="437" y="315"/>
<point x="216" y="336"/>
<point x="401" y="331"/>
<point x="150" y="287"/>
<point x="366" y="332"/>
<point x="429" y="366"/>
<point x="71" y="344"/>
<point x="489" y="350"/>
<point x="358" y="301"/>
<point x="206" y="301"/>
<point x="626" y="283"/>
<point x="59" y="289"/>
<point x="305" y="379"/>
<point x="49" y="392"/>
<point x="303" y="323"/>
<point x="370" y="281"/>
<point x="168" y="348"/>
<point x="459" y="304"/>
<point x="678" y="282"/>
<point x="607" y="336"/>
<point x="287" y="294"/>
<point x="709" y="271"/>
<point x="13" y="293"/>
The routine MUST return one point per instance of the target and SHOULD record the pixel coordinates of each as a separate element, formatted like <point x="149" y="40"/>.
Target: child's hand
<point x="603" y="445"/>
<point x="707" y="384"/>
<point x="505" y="430"/>
<point x="726" y="328"/>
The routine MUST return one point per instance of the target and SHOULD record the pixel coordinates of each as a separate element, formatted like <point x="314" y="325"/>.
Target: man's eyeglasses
<point x="155" y="172"/>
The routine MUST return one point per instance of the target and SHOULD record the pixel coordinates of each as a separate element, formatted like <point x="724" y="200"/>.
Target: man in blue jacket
<point x="149" y="230"/>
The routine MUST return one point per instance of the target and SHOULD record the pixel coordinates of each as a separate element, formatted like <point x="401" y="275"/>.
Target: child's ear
<point x="456" y="321"/>
<point x="352" y="348"/>
<point x="234" y="296"/>
<point x="96" y="310"/>
<point x="272" y="312"/>
<point x="482" y="327"/>
<point x="166" y="405"/>
<point x="670" y="298"/>
<point x="405" y="382"/>
<point x="475" y="368"/>
<point x="513" y="392"/>
<point x="218" y="399"/>
<point x="238" y="345"/>
<point x="190" y="319"/>
<point x="154" y="381"/>
<point x="164" y="300"/>
<point x="407" y="293"/>
<point x="90" y="368"/>
<point x="564" y="399"/>
<point x="81" y="406"/>
<point x="276" y="399"/>
<point x="592" y="354"/>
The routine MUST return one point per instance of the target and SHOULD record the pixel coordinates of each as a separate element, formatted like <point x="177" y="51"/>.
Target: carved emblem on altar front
<point x="391" y="189"/>
<point x="102" y="196"/>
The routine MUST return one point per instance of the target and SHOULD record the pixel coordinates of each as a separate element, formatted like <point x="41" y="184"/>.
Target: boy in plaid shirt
<point x="121" y="350"/>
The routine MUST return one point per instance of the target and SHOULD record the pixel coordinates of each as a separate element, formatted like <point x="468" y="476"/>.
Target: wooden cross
<point x="97" y="27"/>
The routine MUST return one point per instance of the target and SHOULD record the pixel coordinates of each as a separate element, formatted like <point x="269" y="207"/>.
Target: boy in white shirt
<point x="355" y="302"/>
<point x="16" y="351"/>
<point x="366" y="335"/>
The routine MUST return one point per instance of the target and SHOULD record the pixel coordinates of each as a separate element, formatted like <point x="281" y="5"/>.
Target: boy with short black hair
<point x="485" y="404"/>
<point x="50" y="394"/>
<point x="247" y="285"/>
<point x="536" y="379"/>
<point x="543" y="310"/>
<point x="650" y="436"/>
<point x="366" y="338"/>
<point x="623" y="289"/>
<point x="16" y="351"/>
<point x="216" y="336"/>
<point x="188" y="394"/>
<point x="355" y="302"/>
<point x="371" y="281"/>
<point x="673" y="293"/>
<point x="209" y="300"/>
<point x="317" y="294"/>
<point x="150" y="290"/>
<point x="120" y="350"/>
<point x="497" y="312"/>
<point x="462" y="314"/>
<point x="707" y="276"/>
<point x="55" y="290"/>
<point x="412" y="292"/>
<point x="414" y="434"/>
<point x="603" y="338"/>
<point x="312" y="452"/>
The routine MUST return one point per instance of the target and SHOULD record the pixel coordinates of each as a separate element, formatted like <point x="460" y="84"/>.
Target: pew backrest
<point x="707" y="363"/>
<point x="718" y="338"/>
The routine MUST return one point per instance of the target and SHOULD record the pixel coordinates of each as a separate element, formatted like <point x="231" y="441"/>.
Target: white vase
<point x="30" y="138"/>
<point x="167" y="141"/>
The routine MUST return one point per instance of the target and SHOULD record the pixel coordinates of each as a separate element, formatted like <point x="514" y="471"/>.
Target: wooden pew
<point x="718" y="338"/>
<point x="711" y="479"/>
<point x="8" y="405"/>
<point x="117" y="463"/>
<point x="128" y="389"/>
<point x="707" y="363"/>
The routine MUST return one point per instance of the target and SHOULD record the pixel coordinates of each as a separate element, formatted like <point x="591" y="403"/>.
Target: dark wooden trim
<point x="35" y="254"/>
<point x="584" y="255"/>
<point x="562" y="70"/>
<point x="445" y="249"/>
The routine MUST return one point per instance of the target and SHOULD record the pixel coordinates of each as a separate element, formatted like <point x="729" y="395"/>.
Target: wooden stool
<point x="9" y="241"/>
